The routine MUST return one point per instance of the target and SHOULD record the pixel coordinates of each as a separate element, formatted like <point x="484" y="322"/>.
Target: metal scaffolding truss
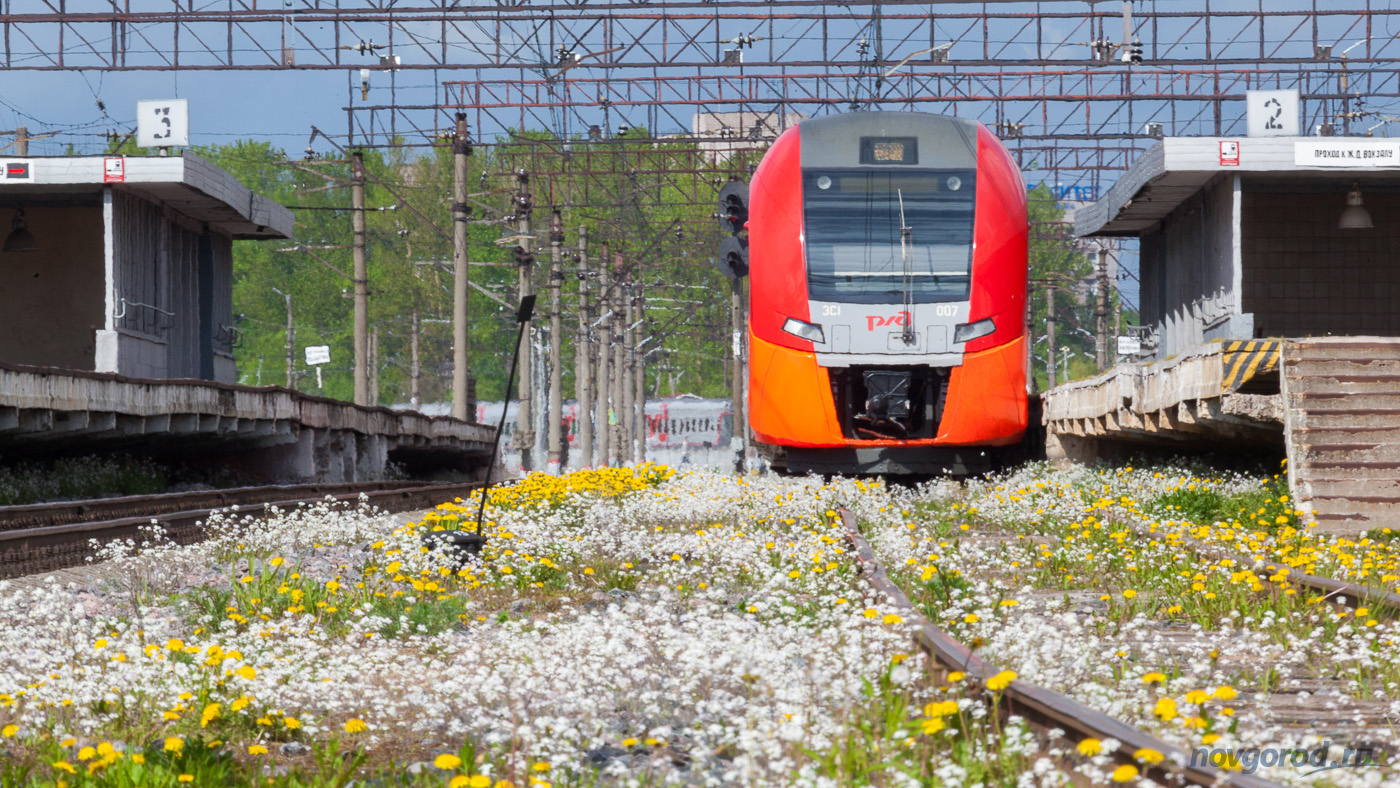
<point x="467" y="34"/>
<point x="1051" y="104"/>
<point x="1061" y="74"/>
<point x="641" y="172"/>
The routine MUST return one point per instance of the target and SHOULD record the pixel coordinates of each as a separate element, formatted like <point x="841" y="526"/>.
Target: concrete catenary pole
<point x="556" y="343"/>
<point x="1101" y="311"/>
<point x="461" y="149"/>
<point x="583" y="359"/>
<point x="374" y="366"/>
<point x="415" y="369"/>
<point x="361" y="278"/>
<point x="736" y="379"/>
<point x="1050" y="335"/>
<point x="616" y="421"/>
<point x="639" y="399"/>
<point x="291" y="345"/>
<point x="625" y="380"/>
<point x="525" y="259"/>
<point x="602" y="410"/>
<point x="21" y="141"/>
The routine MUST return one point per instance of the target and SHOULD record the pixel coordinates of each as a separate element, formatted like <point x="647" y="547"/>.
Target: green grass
<point x="79" y="477"/>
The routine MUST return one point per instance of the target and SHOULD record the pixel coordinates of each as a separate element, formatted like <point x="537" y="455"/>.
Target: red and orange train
<point x="887" y="264"/>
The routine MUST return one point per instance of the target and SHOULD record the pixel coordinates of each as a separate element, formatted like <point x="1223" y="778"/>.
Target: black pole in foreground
<point x="522" y="316"/>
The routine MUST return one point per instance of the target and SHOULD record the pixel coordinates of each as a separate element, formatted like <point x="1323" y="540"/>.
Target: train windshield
<point x="860" y="251"/>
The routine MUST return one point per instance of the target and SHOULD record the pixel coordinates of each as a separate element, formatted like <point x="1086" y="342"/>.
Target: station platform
<point x="1332" y="404"/>
<point x="264" y="431"/>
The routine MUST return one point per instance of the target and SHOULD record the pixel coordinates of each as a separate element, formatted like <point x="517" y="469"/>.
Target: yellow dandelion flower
<point x="186" y="778"/>
<point x="257" y="749"/>
<point x="174" y="744"/>
<point x="1125" y="773"/>
<point x="1154" y="678"/>
<point x="355" y="726"/>
<point x="65" y="766"/>
<point x="479" y="781"/>
<point x="9" y="731"/>
<point x="1089" y="747"/>
<point x="1001" y="680"/>
<point x="447" y="761"/>
<point x="1149" y="756"/>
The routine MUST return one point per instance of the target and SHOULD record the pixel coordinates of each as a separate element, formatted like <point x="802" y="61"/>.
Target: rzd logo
<point x="873" y="322"/>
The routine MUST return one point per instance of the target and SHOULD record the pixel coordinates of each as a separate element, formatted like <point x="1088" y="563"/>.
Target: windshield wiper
<point x="906" y="237"/>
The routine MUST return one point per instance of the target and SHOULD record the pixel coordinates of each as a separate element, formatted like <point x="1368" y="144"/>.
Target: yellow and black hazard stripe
<point x="1245" y="359"/>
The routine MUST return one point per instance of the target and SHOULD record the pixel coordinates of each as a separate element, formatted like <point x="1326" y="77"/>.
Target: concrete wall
<point x="1187" y="270"/>
<point x="51" y="299"/>
<point x="1306" y="277"/>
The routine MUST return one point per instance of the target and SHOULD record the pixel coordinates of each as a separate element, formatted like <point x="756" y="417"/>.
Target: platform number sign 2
<point x="163" y="123"/>
<point x="1272" y="113"/>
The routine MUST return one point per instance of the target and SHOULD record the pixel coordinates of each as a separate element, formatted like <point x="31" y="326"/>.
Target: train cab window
<point x="858" y="250"/>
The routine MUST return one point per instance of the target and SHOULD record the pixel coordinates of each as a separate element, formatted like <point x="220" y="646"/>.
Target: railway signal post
<point x="525" y="262"/>
<point x="461" y="149"/>
<point x="357" y="218"/>
<point x="556" y="336"/>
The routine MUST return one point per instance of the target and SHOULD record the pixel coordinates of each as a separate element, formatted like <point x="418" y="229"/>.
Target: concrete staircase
<point x="1342" y="399"/>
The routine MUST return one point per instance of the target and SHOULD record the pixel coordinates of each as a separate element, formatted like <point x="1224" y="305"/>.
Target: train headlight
<point x="966" y="332"/>
<point x="808" y="331"/>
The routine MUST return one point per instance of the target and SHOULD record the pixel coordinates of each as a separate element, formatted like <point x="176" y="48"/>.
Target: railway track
<point x="46" y="537"/>
<point x="1043" y="709"/>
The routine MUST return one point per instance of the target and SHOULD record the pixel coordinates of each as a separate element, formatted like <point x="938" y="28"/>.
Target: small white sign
<point x="317" y="355"/>
<point x="1272" y="113"/>
<point x="1129" y="346"/>
<point x="1229" y="153"/>
<point x="1323" y="152"/>
<point x="163" y="123"/>
<point x="16" y="171"/>
<point x="113" y="170"/>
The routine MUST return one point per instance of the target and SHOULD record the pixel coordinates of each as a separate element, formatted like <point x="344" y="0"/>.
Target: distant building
<point x="725" y="133"/>
<point x="124" y="264"/>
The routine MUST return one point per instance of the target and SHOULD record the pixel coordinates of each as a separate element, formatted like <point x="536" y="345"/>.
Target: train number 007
<point x="946" y="310"/>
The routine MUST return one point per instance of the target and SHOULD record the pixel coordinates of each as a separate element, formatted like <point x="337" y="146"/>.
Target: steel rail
<point x="1040" y="707"/>
<point x="38" y="515"/>
<point x="26" y="551"/>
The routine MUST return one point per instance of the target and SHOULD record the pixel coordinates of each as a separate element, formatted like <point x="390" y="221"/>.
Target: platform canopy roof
<point x="188" y="184"/>
<point x="1169" y="173"/>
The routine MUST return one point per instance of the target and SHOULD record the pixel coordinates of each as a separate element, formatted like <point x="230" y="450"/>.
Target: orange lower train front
<point x="791" y="401"/>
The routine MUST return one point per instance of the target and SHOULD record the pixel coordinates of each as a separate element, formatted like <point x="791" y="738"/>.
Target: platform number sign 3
<point x="163" y="123"/>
